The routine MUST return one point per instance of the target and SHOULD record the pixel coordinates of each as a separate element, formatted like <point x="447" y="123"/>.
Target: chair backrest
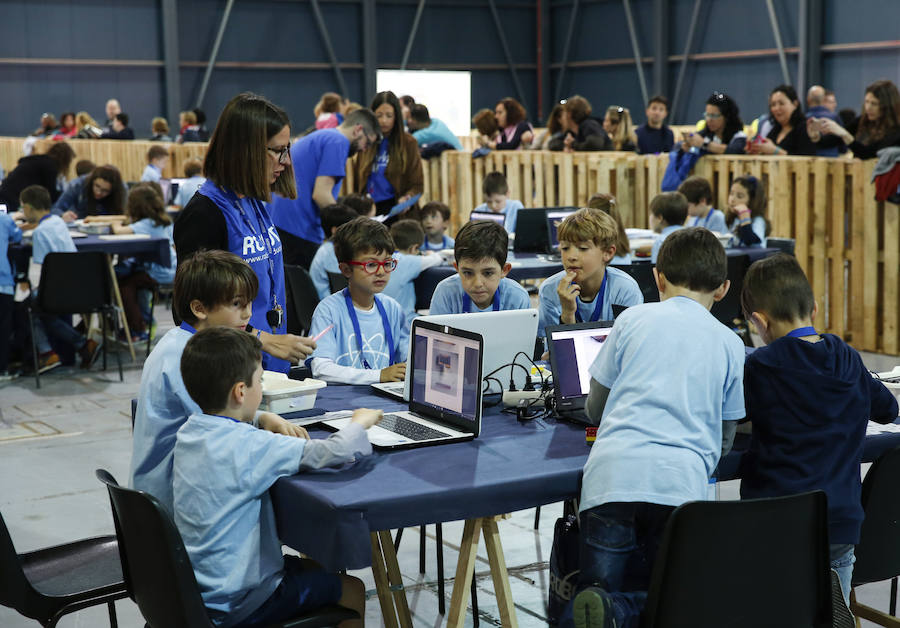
<point x="743" y="564"/>
<point x="878" y="551"/>
<point x="15" y="590"/>
<point x="336" y="282"/>
<point x="642" y="273"/>
<point x="785" y="245"/>
<point x="729" y="308"/>
<point x="156" y="566"/>
<point x="302" y="299"/>
<point x="74" y="282"/>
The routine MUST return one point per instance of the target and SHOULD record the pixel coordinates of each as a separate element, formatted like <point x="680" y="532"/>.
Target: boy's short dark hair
<point x="360" y="203"/>
<point x="693" y="258"/>
<point x="359" y="235"/>
<point x="671" y="207"/>
<point x="193" y="167"/>
<point x="123" y="118"/>
<point x="480" y="240"/>
<point x="214" y="360"/>
<point x="213" y="278"/>
<point x="333" y="216"/>
<point x="494" y="183"/>
<point x="156" y="151"/>
<point x="695" y="188"/>
<point x="778" y="287"/>
<point x="661" y="100"/>
<point x="406" y="233"/>
<point x="420" y="114"/>
<point x="435" y="207"/>
<point x="84" y="166"/>
<point x="37" y="196"/>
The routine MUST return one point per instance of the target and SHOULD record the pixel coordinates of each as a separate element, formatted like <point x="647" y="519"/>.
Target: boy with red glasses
<point x="365" y="333"/>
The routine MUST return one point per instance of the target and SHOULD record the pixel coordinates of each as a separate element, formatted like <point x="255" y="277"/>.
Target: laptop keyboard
<point x="409" y="429"/>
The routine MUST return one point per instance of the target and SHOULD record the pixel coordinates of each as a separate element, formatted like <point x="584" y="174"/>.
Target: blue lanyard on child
<point x="705" y="220"/>
<point x="801" y="331"/>
<point x="388" y="336"/>
<point x="467" y="302"/>
<point x="222" y="416"/>
<point x="44" y="218"/>
<point x="184" y="325"/>
<point x="598" y="309"/>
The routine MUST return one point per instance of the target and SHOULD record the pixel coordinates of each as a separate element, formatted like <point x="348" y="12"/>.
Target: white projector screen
<point x="448" y="95"/>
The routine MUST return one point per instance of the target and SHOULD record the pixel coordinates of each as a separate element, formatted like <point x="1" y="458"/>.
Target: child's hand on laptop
<point x="394" y="373"/>
<point x="366" y="417"/>
<point x="271" y="422"/>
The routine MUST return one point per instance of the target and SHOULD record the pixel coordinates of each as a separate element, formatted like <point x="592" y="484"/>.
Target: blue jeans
<point x="59" y="329"/>
<point x="619" y="542"/>
<point x="842" y="559"/>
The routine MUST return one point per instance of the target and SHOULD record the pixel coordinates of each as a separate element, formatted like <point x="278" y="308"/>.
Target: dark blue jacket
<point x="809" y="404"/>
<point x="652" y="141"/>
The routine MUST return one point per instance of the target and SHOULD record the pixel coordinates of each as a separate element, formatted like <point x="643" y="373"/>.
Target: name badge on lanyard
<point x="388" y="336"/>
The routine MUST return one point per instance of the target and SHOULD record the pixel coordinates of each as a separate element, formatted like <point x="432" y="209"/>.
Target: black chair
<point x="75" y="283"/>
<point x="302" y="299"/>
<point x="743" y="564"/>
<point x="785" y="245"/>
<point x="878" y="551"/>
<point x="728" y="311"/>
<point x="642" y="273"/>
<point x="158" y="570"/>
<point x="49" y="583"/>
<point x="336" y="282"/>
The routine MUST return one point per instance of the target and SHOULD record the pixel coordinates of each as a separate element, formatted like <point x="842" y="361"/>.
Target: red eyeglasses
<point x="372" y="267"/>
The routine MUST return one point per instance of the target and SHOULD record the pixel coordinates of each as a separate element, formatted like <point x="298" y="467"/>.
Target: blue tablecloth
<point x="146" y="249"/>
<point x="511" y="466"/>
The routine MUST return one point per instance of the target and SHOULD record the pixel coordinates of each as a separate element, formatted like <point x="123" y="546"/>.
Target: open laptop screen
<point x="500" y="219"/>
<point x="447" y="375"/>
<point x="554" y="218"/>
<point x="574" y="351"/>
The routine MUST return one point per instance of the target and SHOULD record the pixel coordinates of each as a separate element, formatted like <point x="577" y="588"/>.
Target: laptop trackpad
<point x="377" y="436"/>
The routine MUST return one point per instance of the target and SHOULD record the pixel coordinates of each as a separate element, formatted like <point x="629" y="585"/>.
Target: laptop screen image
<point x="573" y="352"/>
<point x="500" y="219"/>
<point x="447" y="376"/>
<point x="554" y="218"/>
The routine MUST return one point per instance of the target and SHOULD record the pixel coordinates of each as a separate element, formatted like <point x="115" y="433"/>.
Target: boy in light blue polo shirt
<point x="365" y="335"/>
<point x="701" y="213"/>
<point x="408" y="236"/>
<point x="666" y="390"/>
<point x="222" y="470"/>
<point x="435" y="217"/>
<point x="668" y="211"/>
<point x="496" y="189"/>
<point x="427" y="130"/>
<point x="193" y="168"/>
<point x="325" y="261"/>
<point x="157" y="158"/>
<point x="587" y="287"/>
<point x="9" y="234"/>
<point x="481" y="284"/>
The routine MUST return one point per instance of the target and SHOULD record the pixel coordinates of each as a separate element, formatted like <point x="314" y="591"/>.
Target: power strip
<point x="511" y="398"/>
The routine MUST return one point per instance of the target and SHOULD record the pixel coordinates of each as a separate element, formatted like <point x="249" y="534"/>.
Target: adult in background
<point x="160" y="128"/>
<point x="48" y="126"/>
<point x="406" y="103"/>
<point x="553" y="132"/>
<point x="427" y="130"/>
<point x="878" y="127"/>
<point x="229" y="213"/>
<point x="723" y="130"/>
<point x="88" y="129"/>
<point x="815" y="108"/>
<point x="515" y="131"/>
<point x="788" y="134"/>
<point x="67" y="127"/>
<point x="390" y="172"/>
<point x="321" y="159"/>
<point x="619" y="127"/>
<point x="582" y="132"/>
<point x="120" y="129"/>
<point x="655" y="136"/>
<point x="202" y="131"/>
<point x="113" y="108"/>
<point x="830" y="101"/>
<point x="45" y="170"/>
<point x="98" y="193"/>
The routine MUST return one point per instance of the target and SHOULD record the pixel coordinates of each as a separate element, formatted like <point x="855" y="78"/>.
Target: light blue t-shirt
<point x="446" y="243"/>
<point x="9" y="233"/>
<point x="621" y="289"/>
<point x="151" y="173"/>
<point x="400" y="286"/>
<point x="674" y="373"/>
<point x="654" y="252"/>
<point x="448" y="297"/>
<point x="437" y="131"/>
<point x="50" y="236"/>
<point x="714" y="220"/>
<point x="511" y="210"/>
<point x="758" y="225"/>
<point x="339" y="344"/>
<point x="621" y="260"/>
<point x="322" y="153"/>
<point x="162" y="408"/>
<point x="159" y="273"/>
<point x="187" y="189"/>
<point x="323" y="262"/>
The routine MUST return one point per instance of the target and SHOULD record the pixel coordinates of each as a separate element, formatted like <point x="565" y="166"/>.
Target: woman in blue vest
<point x="248" y="159"/>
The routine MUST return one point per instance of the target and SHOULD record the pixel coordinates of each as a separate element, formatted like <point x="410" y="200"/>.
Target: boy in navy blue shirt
<point x="809" y="398"/>
<point x="655" y="137"/>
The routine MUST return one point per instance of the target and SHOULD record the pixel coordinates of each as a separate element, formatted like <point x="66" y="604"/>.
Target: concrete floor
<point x="79" y="421"/>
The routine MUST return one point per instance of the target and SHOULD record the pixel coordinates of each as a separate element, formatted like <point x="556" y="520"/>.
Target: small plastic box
<point x="282" y="395"/>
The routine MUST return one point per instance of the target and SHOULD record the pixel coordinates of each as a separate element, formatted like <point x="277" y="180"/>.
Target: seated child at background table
<point x="145" y="213"/>
<point x="586" y="288"/>
<point x="325" y="261"/>
<point x="701" y="213"/>
<point x="362" y="204"/>
<point x="365" y="333"/>
<point x="668" y="211"/>
<point x="157" y="158"/>
<point x="607" y="204"/>
<point x="495" y="190"/>
<point x="435" y="217"/>
<point x="99" y="193"/>
<point x="212" y="288"/>
<point x="51" y="236"/>
<point x="408" y="237"/>
<point x="193" y="169"/>
<point x="746" y="213"/>
<point x="809" y="398"/>
<point x="480" y="284"/>
<point x="661" y="430"/>
<point x="222" y="506"/>
<point x="9" y="234"/>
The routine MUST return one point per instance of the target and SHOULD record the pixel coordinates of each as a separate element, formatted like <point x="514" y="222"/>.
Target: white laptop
<point x="445" y="385"/>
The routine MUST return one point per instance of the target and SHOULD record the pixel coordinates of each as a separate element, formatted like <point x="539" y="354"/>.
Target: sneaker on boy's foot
<point x="592" y="608"/>
<point x="48" y="361"/>
<point x="8" y="376"/>
<point x="89" y="353"/>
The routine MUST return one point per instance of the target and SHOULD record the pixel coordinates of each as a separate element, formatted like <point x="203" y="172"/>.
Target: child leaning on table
<point x="746" y="213"/>
<point x="157" y="158"/>
<point x="668" y="211"/>
<point x="212" y="288"/>
<point x="809" y="398"/>
<point x="666" y="390"/>
<point x="222" y="470"/>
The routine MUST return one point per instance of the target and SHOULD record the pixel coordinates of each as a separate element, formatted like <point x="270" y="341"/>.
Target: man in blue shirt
<point x="319" y="160"/>
<point x="428" y="130"/>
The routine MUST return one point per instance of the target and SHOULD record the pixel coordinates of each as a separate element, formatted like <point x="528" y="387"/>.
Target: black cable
<point x="533" y="363"/>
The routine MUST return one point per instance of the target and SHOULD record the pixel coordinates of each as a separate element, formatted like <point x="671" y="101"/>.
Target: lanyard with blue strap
<point x="230" y="418"/>
<point x="45" y="218"/>
<point x="598" y="308"/>
<point x="802" y="331"/>
<point x="705" y="220"/>
<point x="274" y="316"/>
<point x="467" y="302"/>
<point x="388" y="336"/>
<point x="184" y="325"/>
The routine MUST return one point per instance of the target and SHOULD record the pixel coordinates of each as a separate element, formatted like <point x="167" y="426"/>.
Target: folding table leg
<point x="382" y="586"/>
<point x="422" y="549"/>
<point x="440" y="567"/>
<point x="465" y="570"/>
<point x="499" y="572"/>
<point x="395" y="579"/>
<point x="120" y="307"/>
